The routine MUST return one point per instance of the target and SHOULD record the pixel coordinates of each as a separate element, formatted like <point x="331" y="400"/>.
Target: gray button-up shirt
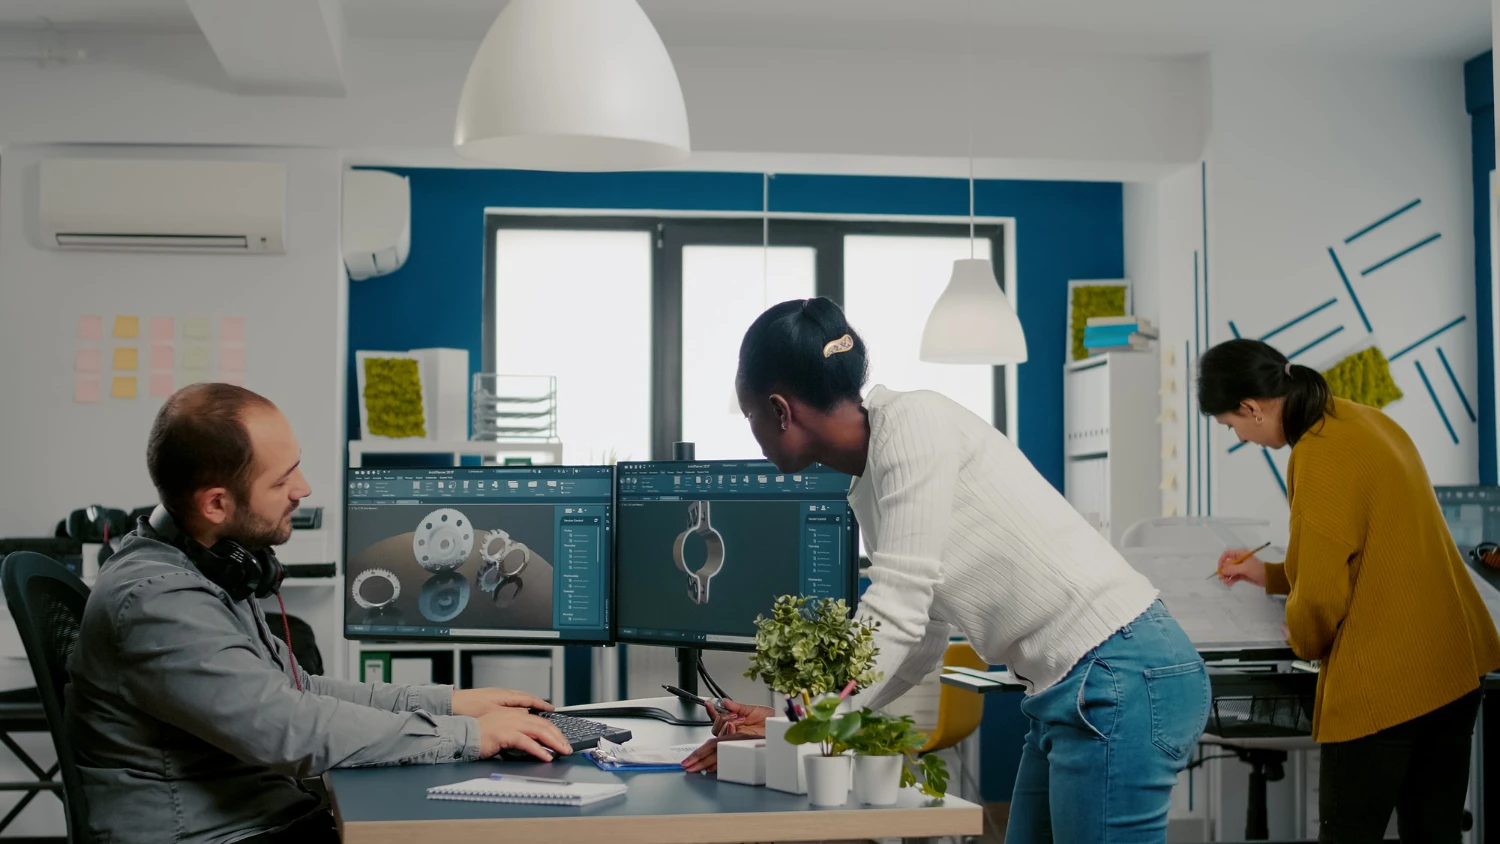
<point x="187" y="722"/>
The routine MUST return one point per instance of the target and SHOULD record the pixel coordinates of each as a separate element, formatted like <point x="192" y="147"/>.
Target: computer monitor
<point x="1472" y="514"/>
<point x="702" y="548"/>
<point x="501" y="554"/>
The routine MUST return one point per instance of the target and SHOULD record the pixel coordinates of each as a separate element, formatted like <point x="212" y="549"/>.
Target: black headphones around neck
<point x="230" y="565"/>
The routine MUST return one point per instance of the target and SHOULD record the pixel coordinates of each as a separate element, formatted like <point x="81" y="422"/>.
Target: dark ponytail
<point x="1236" y="371"/>
<point x="799" y="347"/>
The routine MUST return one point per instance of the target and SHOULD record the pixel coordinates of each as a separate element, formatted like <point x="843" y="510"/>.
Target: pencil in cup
<point x="1219" y="572"/>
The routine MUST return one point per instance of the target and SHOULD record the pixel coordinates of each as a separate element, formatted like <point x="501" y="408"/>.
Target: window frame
<point x="672" y="233"/>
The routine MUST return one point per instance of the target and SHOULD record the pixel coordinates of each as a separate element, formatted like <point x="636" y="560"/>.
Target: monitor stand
<point x="688" y="659"/>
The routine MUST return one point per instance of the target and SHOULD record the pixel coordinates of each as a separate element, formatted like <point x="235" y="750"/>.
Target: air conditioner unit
<point x="152" y="205"/>
<point x="377" y="223"/>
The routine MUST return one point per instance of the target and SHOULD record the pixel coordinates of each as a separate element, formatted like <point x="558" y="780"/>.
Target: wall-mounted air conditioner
<point x="151" y="205"/>
<point x="377" y="223"/>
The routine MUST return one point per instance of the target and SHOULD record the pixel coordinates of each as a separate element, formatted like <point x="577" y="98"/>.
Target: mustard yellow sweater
<point x="1375" y="586"/>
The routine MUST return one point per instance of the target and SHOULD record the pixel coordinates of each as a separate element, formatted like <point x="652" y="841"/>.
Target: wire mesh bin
<point x="514" y="407"/>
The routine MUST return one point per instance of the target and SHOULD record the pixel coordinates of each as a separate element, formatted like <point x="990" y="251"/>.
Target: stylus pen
<point x="518" y="778"/>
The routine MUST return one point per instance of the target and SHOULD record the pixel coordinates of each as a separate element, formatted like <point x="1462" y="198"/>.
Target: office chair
<point x="959" y="710"/>
<point x="46" y="601"/>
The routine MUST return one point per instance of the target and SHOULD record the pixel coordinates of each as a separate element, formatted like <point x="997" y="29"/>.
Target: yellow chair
<point x="959" y="710"/>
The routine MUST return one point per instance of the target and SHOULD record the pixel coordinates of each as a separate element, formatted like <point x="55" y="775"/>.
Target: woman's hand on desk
<point x="742" y="721"/>
<point x="477" y="702"/>
<point x="507" y="727"/>
<point x="1251" y="570"/>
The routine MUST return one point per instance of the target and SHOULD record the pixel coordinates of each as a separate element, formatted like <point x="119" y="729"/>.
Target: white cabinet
<point x="1110" y="440"/>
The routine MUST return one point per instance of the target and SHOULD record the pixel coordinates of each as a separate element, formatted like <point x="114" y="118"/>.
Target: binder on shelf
<point x="375" y="667"/>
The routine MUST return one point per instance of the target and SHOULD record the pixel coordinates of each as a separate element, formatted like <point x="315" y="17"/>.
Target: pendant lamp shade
<point x="973" y="321"/>
<point x="572" y="85"/>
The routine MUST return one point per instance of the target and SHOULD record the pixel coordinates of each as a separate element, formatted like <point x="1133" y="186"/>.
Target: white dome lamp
<point x="572" y="85"/>
<point x="973" y="321"/>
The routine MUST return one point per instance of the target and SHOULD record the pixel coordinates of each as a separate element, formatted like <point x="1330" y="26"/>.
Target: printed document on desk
<point x="1212" y="614"/>
<point x="1490" y="595"/>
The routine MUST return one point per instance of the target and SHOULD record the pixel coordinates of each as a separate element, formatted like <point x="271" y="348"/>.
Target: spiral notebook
<point x="527" y="791"/>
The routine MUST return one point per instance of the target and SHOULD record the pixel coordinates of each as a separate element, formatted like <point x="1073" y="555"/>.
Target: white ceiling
<point x="1449" y="28"/>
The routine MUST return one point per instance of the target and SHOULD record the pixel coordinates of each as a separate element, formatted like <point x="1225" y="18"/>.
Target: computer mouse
<point x="516" y="754"/>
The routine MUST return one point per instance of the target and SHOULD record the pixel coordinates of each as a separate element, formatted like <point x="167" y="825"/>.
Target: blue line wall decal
<point x="1382" y="221"/>
<point x="1468" y="408"/>
<point x="1187" y="433"/>
<point x="1237" y="447"/>
<point x="1234" y="329"/>
<point x="1403" y="253"/>
<point x="1399" y="354"/>
<point x="1207" y="320"/>
<point x="1315" y="342"/>
<point x="1349" y="287"/>
<point x="1197" y="350"/>
<point x="1330" y="303"/>
<point x="1437" y="404"/>
<point x="1274" y="471"/>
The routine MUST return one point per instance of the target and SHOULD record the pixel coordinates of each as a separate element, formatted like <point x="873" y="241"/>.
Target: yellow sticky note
<point x="195" y="358"/>
<point x="127" y="327"/>
<point x="126" y="359"/>
<point x="123" y="387"/>
<point x="197" y="328"/>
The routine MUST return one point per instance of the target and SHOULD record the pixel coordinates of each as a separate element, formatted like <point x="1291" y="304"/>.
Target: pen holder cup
<point x="785" y="770"/>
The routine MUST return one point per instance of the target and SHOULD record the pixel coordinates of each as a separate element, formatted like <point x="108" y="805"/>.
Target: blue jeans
<point x="1107" y="742"/>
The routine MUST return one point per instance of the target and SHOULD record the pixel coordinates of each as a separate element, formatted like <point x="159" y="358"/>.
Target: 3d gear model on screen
<point x="510" y="556"/>
<point x="366" y="575"/>
<point x="443" y="540"/>
<point x="443" y="596"/>
<point x="502" y="588"/>
<point x="699" y="523"/>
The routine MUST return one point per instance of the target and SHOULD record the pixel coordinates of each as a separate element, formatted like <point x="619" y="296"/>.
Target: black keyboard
<point x="582" y="733"/>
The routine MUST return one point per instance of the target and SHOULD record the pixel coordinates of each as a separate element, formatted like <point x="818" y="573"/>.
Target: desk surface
<point x="389" y="805"/>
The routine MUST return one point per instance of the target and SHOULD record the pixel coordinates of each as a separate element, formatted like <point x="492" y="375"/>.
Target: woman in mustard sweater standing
<point x="1375" y="589"/>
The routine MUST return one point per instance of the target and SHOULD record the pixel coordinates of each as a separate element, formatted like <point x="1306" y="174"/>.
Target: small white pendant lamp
<point x="973" y="321"/>
<point x="572" y="85"/>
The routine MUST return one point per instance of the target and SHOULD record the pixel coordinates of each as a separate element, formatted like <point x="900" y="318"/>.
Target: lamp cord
<point x="765" y="240"/>
<point x="968" y="101"/>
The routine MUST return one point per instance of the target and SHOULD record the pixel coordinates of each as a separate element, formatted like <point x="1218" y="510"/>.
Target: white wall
<point x="1305" y="153"/>
<point x="403" y="95"/>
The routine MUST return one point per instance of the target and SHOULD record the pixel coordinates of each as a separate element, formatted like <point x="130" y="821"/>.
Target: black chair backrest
<point x="46" y="601"/>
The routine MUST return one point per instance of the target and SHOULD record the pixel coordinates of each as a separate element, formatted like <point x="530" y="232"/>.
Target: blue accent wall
<point x="1064" y="230"/>
<point x="1479" y="96"/>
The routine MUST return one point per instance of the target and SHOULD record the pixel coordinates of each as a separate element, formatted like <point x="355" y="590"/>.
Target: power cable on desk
<point x="651" y="712"/>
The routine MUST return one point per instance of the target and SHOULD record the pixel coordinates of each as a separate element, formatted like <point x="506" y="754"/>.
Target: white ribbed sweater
<point x="962" y="530"/>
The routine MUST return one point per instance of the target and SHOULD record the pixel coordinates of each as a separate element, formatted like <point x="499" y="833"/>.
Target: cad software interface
<point x="479" y="553"/>
<point x="703" y="548"/>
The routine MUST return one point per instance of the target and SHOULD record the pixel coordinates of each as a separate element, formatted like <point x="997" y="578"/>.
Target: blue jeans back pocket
<point x="1179" y="706"/>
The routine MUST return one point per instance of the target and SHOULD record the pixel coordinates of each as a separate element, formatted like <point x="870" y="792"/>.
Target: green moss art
<point x="1093" y="300"/>
<point x="1364" y="378"/>
<point x="393" y="398"/>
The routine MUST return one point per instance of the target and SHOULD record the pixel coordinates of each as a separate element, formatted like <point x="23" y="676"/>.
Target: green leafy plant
<point x="813" y="644"/>
<point x="393" y="398"/>
<point x="881" y="734"/>
<point x="871" y="733"/>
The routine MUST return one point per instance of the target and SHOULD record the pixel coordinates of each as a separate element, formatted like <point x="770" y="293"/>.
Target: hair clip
<point x="834" y="347"/>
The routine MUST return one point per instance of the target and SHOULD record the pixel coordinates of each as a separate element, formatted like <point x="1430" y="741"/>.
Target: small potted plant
<point x="886" y="759"/>
<point x="813" y="647"/>
<point x="827" y="772"/>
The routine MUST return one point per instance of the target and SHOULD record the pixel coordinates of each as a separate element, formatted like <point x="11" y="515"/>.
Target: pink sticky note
<point x="231" y="360"/>
<point x="90" y="327"/>
<point x="232" y="329"/>
<point x="86" y="390"/>
<point x="161" y="329"/>
<point x="161" y="384"/>
<point x="234" y="379"/>
<point x="87" y="360"/>
<point x="161" y="358"/>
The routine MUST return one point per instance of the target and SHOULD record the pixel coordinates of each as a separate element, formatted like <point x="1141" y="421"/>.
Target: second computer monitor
<point x="702" y="548"/>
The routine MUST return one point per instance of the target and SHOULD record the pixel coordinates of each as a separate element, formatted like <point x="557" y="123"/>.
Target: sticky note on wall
<point x="196" y="328"/>
<point x="87" y="360"/>
<point x="195" y="357"/>
<point x="127" y="327"/>
<point x="90" y="327"/>
<point x="86" y="390"/>
<point x="161" y="358"/>
<point x="161" y="329"/>
<point x="127" y="359"/>
<point x="232" y="330"/>
<point x="161" y="384"/>
<point x="123" y="387"/>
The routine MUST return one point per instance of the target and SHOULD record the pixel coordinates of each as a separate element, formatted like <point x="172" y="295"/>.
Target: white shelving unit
<point x="1111" y="443"/>
<point x="542" y="452"/>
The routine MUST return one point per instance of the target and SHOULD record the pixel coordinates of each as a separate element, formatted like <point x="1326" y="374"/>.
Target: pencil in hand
<point x="1219" y="572"/>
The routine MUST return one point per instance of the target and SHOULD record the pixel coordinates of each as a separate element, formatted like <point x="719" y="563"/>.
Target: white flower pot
<point x="827" y="779"/>
<point x="877" y="779"/>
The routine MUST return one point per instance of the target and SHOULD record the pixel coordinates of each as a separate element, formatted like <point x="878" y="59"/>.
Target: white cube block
<point x="530" y="674"/>
<point x="445" y="384"/>
<point x="743" y="762"/>
<point x="785" y="770"/>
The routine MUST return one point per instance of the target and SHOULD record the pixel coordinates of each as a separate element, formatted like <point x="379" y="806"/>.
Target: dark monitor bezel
<point x="623" y="639"/>
<point x="606" y="636"/>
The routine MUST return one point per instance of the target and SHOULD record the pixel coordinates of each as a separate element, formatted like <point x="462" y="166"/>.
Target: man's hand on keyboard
<point x="506" y="727"/>
<point x="477" y="702"/>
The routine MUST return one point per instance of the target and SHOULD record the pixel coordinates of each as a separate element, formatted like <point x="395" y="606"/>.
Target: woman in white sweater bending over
<point x="963" y="532"/>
